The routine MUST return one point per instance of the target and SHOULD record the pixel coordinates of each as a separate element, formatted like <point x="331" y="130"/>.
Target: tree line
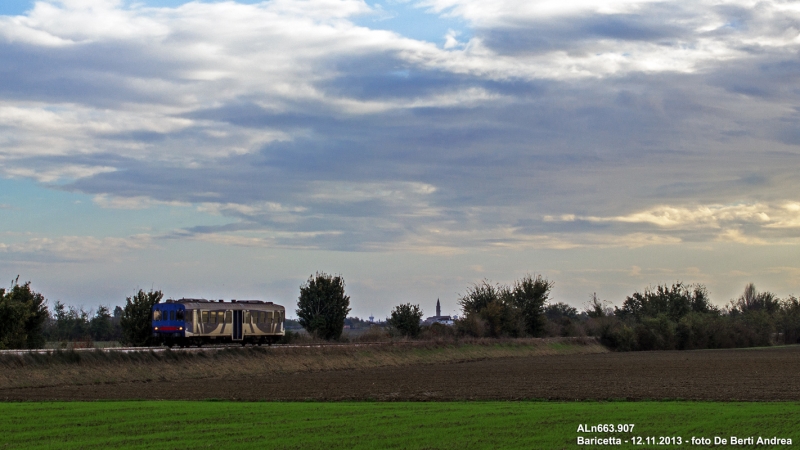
<point x="681" y="317"/>
<point x="664" y="317"/>
<point x="27" y="322"/>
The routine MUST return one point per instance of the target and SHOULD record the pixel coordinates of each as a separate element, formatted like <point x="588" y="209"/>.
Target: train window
<point x="262" y="316"/>
<point x="179" y="315"/>
<point x="156" y="315"/>
<point x="204" y="316"/>
<point x="247" y="317"/>
<point x="214" y="316"/>
<point x="172" y="315"/>
<point x="228" y="316"/>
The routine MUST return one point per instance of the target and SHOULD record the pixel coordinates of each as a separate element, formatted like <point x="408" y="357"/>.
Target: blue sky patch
<point x="413" y="22"/>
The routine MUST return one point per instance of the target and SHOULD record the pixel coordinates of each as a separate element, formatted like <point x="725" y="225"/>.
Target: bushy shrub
<point x="682" y="317"/>
<point x="752" y="300"/>
<point x="23" y="314"/>
<point x="494" y="310"/>
<point x="323" y="306"/>
<point x="672" y="301"/>
<point x="612" y="333"/>
<point x="136" y="319"/>
<point x="471" y="325"/>
<point x="438" y="331"/>
<point x="557" y="311"/>
<point x="405" y="319"/>
<point x="655" y="333"/>
<point x="788" y="321"/>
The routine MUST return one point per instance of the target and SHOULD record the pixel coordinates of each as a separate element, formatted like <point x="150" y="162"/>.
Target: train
<point x="193" y="321"/>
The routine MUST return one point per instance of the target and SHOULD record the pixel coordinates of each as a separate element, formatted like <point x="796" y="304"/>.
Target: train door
<point x="237" y="325"/>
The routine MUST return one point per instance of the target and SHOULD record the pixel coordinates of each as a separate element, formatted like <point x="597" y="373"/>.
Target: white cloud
<point x="703" y="35"/>
<point x="742" y="223"/>
<point x="75" y="248"/>
<point x="705" y="216"/>
<point x="59" y="173"/>
<point x="348" y="192"/>
<point x="266" y="239"/>
<point x="139" y="73"/>
<point x="228" y="95"/>
<point x="276" y="210"/>
<point x="39" y="130"/>
<point x="138" y="202"/>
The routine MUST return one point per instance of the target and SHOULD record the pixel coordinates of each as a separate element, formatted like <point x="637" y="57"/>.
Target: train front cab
<point x="169" y="322"/>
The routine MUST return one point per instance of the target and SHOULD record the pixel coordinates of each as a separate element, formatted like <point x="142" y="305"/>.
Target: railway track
<point x="205" y="348"/>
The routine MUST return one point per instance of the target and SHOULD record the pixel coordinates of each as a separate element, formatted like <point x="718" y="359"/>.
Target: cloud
<point x="611" y="38"/>
<point x="139" y="202"/>
<point x="742" y="223"/>
<point x="53" y="174"/>
<point x="74" y="249"/>
<point x="306" y="130"/>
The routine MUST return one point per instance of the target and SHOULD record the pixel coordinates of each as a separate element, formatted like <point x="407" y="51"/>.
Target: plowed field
<point x="746" y="374"/>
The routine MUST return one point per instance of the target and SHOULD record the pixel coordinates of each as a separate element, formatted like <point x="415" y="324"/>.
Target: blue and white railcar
<point x="199" y="321"/>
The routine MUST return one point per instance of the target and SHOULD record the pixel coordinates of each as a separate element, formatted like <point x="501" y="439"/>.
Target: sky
<point x="233" y="149"/>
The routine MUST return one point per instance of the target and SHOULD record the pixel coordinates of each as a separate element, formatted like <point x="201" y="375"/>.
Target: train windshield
<point x="169" y="314"/>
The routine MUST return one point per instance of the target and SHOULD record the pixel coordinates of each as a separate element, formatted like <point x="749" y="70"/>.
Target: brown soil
<point x="746" y="374"/>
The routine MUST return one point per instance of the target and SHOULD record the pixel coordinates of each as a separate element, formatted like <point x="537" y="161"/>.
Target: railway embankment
<point x="103" y="367"/>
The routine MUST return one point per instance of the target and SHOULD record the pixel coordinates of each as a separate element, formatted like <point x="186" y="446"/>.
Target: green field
<point x="372" y="425"/>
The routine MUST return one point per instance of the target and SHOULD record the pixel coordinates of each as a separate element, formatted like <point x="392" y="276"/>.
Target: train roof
<point x="201" y="303"/>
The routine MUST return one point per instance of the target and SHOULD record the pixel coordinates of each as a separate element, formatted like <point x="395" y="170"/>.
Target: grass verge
<point x="369" y="425"/>
<point x="95" y="367"/>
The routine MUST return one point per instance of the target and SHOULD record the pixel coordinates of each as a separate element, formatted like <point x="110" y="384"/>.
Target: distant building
<point x="438" y="318"/>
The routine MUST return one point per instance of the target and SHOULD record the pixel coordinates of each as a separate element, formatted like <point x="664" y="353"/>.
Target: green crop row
<point x="371" y="425"/>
